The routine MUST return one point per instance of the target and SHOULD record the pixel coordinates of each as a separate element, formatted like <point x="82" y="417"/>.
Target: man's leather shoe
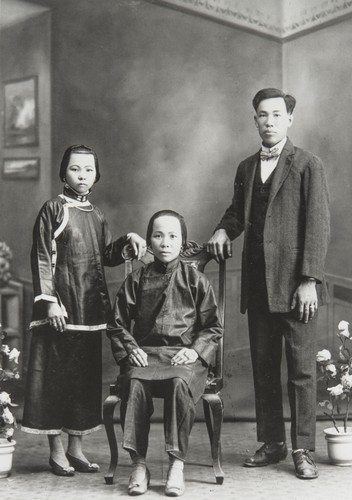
<point x="269" y="453"/>
<point x="304" y="465"/>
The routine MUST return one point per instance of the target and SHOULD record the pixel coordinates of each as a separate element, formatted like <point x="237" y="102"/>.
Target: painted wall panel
<point x="25" y="51"/>
<point x="317" y="69"/>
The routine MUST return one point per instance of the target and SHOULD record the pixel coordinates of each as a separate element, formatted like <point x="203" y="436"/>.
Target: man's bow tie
<point x="274" y="153"/>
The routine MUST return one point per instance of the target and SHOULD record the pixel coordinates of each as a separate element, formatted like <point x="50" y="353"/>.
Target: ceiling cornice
<point x="280" y="19"/>
<point x="15" y="11"/>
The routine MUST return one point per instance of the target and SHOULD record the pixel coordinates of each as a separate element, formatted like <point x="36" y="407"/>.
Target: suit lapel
<point x="249" y="186"/>
<point x="282" y="169"/>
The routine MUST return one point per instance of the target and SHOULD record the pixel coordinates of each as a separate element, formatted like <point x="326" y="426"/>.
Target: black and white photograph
<point x="175" y="249"/>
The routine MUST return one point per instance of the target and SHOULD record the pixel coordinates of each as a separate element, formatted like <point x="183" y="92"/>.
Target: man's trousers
<point x="267" y="331"/>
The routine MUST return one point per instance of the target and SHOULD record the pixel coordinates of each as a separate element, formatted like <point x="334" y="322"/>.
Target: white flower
<point x="343" y="325"/>
<point x="337" y="390"/>
<point x="343" y="329"/>
<point x="7" y="416"/>
<point x="9" y="432"/>
<point x="323" y="355"/>
<point x="326" y="403"/>
<point x="344" y="333"/>
<point x="346" y="381"/>
<point x="14" y="354"/>
<point x="331" y="368"/>
<point x="5" y="398"/>
<point x="5" y="349"/>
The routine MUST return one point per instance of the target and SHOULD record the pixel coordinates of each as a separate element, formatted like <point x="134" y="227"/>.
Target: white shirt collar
<point x="279" y="146"/>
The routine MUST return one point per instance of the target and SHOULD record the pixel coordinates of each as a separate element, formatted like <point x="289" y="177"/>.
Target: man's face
<point x="272" y="120"/>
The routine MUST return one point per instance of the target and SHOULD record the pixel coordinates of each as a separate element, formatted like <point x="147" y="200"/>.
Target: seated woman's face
<point x="166" y="238"/>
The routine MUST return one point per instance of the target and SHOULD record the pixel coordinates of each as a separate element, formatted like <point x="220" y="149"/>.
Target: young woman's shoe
<point x="80" y="465"/>
<point x="135" y="485"/>
<point x="60" y="471"/>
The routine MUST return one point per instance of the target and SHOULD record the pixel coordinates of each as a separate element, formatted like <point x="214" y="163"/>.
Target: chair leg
<point x="214" y="403"/>
<point x="108" y="419"/>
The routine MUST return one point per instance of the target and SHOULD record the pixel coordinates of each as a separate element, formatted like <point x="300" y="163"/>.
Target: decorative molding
<point x="281" y="19"/>
<point x="16" y="11"/>
<point x="317" y="16"/>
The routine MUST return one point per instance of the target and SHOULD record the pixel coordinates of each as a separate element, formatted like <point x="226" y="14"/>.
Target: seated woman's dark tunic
<point x="173" y="306"/>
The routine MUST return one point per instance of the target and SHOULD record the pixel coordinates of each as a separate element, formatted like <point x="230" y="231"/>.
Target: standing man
<point x="281" y="203"/>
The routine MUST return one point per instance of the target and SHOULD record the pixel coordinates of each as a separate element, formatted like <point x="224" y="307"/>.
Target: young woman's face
<point x="81" y="172"/>
<point x="166" y="238"/>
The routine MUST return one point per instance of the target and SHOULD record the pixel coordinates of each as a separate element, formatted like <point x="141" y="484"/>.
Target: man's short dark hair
<point x="271" y="93"/>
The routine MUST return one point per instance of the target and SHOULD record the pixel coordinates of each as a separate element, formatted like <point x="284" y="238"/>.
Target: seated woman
<point x="168" y="353"/>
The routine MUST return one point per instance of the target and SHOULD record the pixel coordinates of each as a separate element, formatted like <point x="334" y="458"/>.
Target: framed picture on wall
<point x="21" y="112"/>
<point x="21" y="168"/>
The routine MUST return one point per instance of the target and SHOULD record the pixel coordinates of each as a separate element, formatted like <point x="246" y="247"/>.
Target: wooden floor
<point x="31" y="477"/>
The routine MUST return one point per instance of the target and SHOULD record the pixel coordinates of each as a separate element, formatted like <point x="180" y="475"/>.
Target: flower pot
<point x="6" y="453"/>
<point x="339" y="445"/>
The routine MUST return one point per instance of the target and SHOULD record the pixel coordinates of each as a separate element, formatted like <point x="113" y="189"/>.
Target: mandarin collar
<point x="71" y="193"/>
<point x="167" y="267"/>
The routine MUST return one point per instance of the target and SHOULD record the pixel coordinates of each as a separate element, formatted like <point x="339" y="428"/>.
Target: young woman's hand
<point x="138" y="244"/>
<point x="138" y="358"/>
<point x="55" y="317"/>
<point x="184" y="357"/>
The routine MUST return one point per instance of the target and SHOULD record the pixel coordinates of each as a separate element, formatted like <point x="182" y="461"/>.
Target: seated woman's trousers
<point x="137" y="408"/>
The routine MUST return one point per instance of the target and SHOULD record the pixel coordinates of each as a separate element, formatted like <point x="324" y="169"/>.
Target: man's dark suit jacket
<point x="297" y="224"/>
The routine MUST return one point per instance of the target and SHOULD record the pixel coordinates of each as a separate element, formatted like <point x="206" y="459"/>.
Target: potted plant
<point x="337" y="375"/>
<point x="8" y="370"/>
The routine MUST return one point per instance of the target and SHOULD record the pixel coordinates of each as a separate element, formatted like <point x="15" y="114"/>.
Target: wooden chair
<point x="198" y="257"/>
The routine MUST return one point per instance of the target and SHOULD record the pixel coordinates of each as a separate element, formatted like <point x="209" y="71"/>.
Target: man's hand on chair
<point x="219" y="245"/>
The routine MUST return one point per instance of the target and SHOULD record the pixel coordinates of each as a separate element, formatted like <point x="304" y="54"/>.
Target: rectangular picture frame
<point x="21" y="112"/>
<point x="21" y="168"/>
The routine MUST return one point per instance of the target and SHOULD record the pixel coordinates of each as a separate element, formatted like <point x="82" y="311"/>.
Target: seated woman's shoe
<point x="175" y="485"/>
<point x="61" y="471"/>
<point x="80" y="465"/>
<point x="137" y="486"/>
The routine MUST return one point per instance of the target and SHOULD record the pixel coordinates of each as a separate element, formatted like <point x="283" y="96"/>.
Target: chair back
<point x="197" y="256"/>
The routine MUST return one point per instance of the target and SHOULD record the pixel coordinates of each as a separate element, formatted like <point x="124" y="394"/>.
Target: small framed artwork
<point x="21" y="112"/>
<point x="21" y="168"/>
